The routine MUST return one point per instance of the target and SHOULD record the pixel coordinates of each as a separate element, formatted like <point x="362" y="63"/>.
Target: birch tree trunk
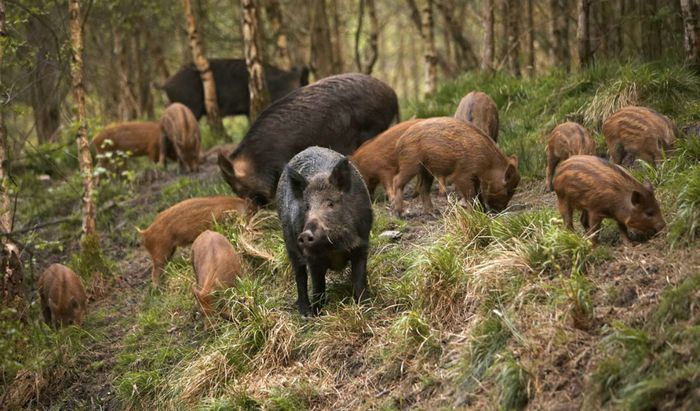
<point x="273" y="10"/>
<point x="583" y="38"/>
<point x="373" y="37"/>
<point x="257" y="86"/>
<point x="321" y="48"/>
<point x="489" y="47"/>
<point x="428" y="33"/>
<point x="11" y="275"/>
<point x="692" y="33"/>
<point x="200" y="60"/>
<point x="84" y="157"/>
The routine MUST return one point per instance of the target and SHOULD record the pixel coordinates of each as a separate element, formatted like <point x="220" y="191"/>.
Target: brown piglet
<point x="140" y="138"/>
<point x="447" y="147"/>
<point x="566" y="140"/>
<point x="638" y="133"/>
<point x="478" y="108"/>
<point x="181" y="224"/>
<point x="180" y="130"/>
<point x="216" y="266"/>
<point x="601" y="190"/>
<point x="63" y="299"/>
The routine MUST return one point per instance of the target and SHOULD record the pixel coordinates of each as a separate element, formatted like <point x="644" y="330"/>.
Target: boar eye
<point x="650" y="213"/>
<point x="329" y="203"/>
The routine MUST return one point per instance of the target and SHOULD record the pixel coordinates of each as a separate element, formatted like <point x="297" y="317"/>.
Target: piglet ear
<point x="340" y="176"/>
<point x="511" y="170"/>
<point x="513" y="160"/>
<point x="297" y="182"/>
<point x="636" y="198"/>
<point x="648" y="186"/>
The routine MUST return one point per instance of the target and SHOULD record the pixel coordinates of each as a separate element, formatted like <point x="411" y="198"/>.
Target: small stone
<point x="392" y="234"/>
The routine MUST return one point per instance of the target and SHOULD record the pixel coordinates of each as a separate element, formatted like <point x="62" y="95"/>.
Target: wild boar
<point x="479" y="109"/>
<point x="181" y="224"/>
<point x="447" y="147"/>
<point x="566" y="140"/>
<point x="231" y="80"/>
<point x="339" y="112"/>
<point x="140" y="138"/>
<point x="180" y="132"/>
<point x="216" y="266"/>
<point x="601" y="190"/>
<point x="326" y="217"/>
<point x="63" y="299"/>
<point x="638" y="132"/>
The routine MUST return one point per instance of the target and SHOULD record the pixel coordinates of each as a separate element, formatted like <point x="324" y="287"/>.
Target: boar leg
<point x="387" y="181"/>
<point x="302" y="279"/>
<point x="442" y="186"/>
<point x="318" y="282"/>
<point x="46" y="311"/>
<point x="358" y="262"/>
<point x="465" y="187"/>
<point x="594" y="220"/>
<point x="551" y="165"/>
<point x="584" y="220"/>
<point x="624" y="234"/>
<point x="162" y="158"/>
<point x="567" y="213"/>
<point x="426" y="181"/>
<point x="406" y="173"/>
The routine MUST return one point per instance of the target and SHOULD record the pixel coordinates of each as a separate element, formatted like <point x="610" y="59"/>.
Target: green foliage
<point x="91" y="259"/>
<point x="514" y="383"/>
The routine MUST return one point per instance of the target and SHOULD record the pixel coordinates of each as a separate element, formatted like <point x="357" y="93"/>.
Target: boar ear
<point x="225" y="166"/>
<point x="636" y="198"/>
<point x="340" y="176"/>
<point x="511" y="170"/>
<point x="648" y="186"/>
<point x="297" y="182"/>
<point x="513" y="160"/>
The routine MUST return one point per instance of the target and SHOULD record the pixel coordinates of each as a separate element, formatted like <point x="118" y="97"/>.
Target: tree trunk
<point x="429" y="48"/>
<point x="455" y="30"/>
<point x="321" y="48"/>
<point x="11" y="275"/>
<point x="651" y="30"/>
<point x="200" y="60"/>
<point x="127" y="100"/>
<point x="583" y="39"/>
<point x="85" y="159"/>
<point x="692" y="32"/>
<point x="513" y="44"/>
<point x="273" y="10"/>
<point x="373" y="37"/>
<point x="530" y="40"/>
<point x="337" y="43"/>
<point x="143" y="74"/>
<point x="560" y="33"/>
<point x="259" y="95"/>
<point x="488" y="41"/>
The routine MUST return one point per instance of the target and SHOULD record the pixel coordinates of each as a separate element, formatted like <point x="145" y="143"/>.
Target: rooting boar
<point x="216" y="266"/>
<point x="62" y="295"/>
<point x="447" y="147"/>
<point x="326" y="217"/>
<point x="339" y="112"/>
<point x="181" y="224"/>
<point x="180" y="130"/>
<point x="140" y="138"/>
<point x="638" y="133"/>
<point x="566" y="140"/>
<point x="601" y="190"/>
<point x="231" y="81"/>
<point x="478" y="108"/>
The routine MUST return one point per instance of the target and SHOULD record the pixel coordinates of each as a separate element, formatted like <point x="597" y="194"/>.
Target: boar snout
<point x="311" y="235"/>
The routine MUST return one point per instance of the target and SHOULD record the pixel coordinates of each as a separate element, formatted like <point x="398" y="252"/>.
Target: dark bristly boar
<point x="566" y="140"/>
<point x="140" y="138"/>
<point x="216" y="266"/>
<point x="326" y="217"/>
<point x="180" y="130"/>
<point x="638" y="133"/>
<point x="601" y="190"/>
<point x="63" y="299"/>
<point x="181" y="224"/>
<point x="339" y="112"/>
<point x="231" y="80"/>
<point x="447" y="147"/>
<point x="479" y="109"/>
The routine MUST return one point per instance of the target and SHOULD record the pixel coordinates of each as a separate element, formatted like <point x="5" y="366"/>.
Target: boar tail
<point x="142" y="232"/>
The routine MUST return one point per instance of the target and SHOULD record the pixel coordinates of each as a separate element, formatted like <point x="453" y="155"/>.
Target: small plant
<point x="513" y="382"/>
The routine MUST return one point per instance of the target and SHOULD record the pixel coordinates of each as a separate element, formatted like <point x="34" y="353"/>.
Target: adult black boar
<point x="231" y="78"/>
<point x="326" y="217"/>
<point x="339" y="112"/>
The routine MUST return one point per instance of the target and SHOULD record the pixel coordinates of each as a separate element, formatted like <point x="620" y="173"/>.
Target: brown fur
<point x="566" y="140"/>
<point x="601" y="190"/>
<point x="216" y="266"/>
<point x="478" y="108"/>
<point x="141" y="138"/>
<point x="447" y="147"/>
<point x="180" y="128"/>
<point x="638" y="132"/>
<point x="63" y="298"/>
<point x="181" y="224"/>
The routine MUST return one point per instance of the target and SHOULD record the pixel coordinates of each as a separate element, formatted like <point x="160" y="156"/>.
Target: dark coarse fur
<point x="180" y="130"/>
<point x="339" y="112"/>
<point x="231" y="79"/>
<point x="326" y="217"/>
<point x="638" y="133"/>
<point x="63" y="298"/>
<point x="479" y="109"/>
<point x="567" y="139"/>
<point x="451" y="148"/>
<point x="601" y="190"/>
